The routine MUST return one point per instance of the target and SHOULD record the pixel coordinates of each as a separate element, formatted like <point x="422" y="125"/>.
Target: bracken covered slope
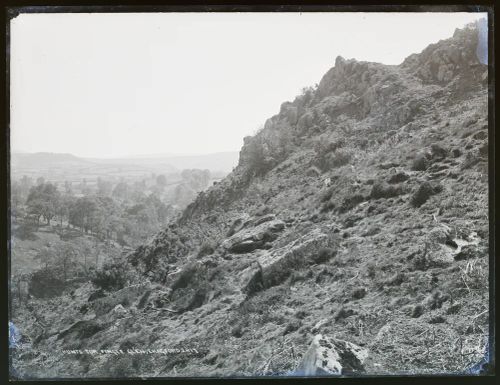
<point x="359" y="212"/>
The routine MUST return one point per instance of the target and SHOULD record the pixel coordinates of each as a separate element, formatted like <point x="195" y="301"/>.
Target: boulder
<point x="329" y="356"/>
<point x="263" y="219"/>
<point x="238" y="224"/>
<point x="119" y="310"/>
<point x="274" y="267"/>
<point x="253" y="238"/>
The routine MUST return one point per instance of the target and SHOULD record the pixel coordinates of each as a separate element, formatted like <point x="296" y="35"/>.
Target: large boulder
<point x="253" y="238"/>
<point x="274" y="267"/>
<point x="329" y="356"/>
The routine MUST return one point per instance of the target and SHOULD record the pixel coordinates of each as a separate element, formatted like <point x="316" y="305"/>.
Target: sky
<point x="117" y="85"/>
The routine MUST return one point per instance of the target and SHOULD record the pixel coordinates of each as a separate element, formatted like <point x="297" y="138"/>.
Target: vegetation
<point x="112" y="276"/>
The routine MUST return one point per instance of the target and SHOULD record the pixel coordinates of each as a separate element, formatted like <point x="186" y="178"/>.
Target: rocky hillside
<point x="354" y="226"/>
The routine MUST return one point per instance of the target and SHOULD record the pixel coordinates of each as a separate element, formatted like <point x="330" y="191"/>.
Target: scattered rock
<point x="436" y="300"/>
<point x="453" y="309"/>
<point x="237" y="331"/>
<point x="372" y="230"/>
<point x="396" y="280"/>
<point x="468" y="252"/>
<point x="350" y="202"/>
<point x="437" y="320"/>
<point x="238" y="224"/>
<point x="119" y="310"/>
<point x="359" y="293"/>
<point x="329" y="356"/>
<point x="343" y="313"/>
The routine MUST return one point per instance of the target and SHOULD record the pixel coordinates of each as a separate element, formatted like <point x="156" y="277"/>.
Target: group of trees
<point x="94" y="221"/>
<point x="122" y="212"/>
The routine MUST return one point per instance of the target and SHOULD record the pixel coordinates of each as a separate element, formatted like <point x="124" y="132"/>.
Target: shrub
<point x="342" y="313"/>
<point x="340" y="158"/>
<point x="332" y="155"/>
<point x="325" y="197"/>
<point x="424" y="192"/>
<point x="438" y="151"/>
<point x="313" y="171"/>
<point x="383" y="190"/>
<point x="207" y="248"/>
<point x="420" y="163"/>
<point x="470" y="160"/>
<point x="45" y="283"/>
<point x="396" y="280"/>
<point x="26" y="232"/>
<point x="398" y="178"/>
<point x="112" y="276"/>
<point x="417" y="311"/>
<point x="371" y="270"/>
<point x="328" y="206"/>
<point x="324" y="255"/>
<point x="351" y="202"/>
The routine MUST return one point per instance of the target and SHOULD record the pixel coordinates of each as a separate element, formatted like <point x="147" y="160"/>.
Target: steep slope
<point x="359" y="211"/>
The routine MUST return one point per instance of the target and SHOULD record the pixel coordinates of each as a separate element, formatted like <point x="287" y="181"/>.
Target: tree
<point x="160" y="207"/>
<point x="26" y="184"/>
<point x="16" y="198"/>
<point x="121" y="190"/>
<point x="63" y="207"/>
<point x="104" y="187"/>
<point x="106" y="217"/>
<point x="161" y="180"/>
<point x="82" y="213"/>
<point x="66" y="256"/>
<point x="35" y="209"/>
<point x="68" y="187"/>
<point x="42" y="201"/>
<point x="46" y="256"/>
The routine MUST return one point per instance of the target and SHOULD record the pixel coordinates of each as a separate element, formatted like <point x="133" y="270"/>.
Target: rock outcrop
<point x="257" y="237"/>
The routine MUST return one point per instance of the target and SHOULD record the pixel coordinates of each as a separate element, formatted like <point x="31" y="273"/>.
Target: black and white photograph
<point x="210" y="194"/>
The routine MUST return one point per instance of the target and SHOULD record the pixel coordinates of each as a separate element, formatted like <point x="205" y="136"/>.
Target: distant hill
<point x="219" y="161"/>
<point x="57" y="165"/>
<point x="40" y="160"/>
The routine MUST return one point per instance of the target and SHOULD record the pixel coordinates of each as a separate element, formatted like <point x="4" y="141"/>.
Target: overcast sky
<point x="112" y="85"/>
